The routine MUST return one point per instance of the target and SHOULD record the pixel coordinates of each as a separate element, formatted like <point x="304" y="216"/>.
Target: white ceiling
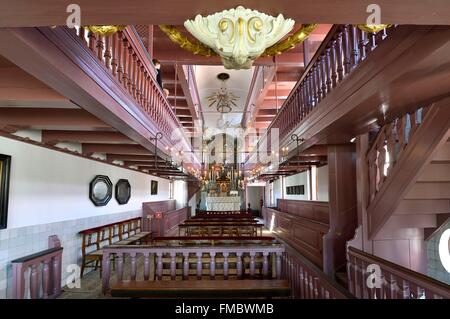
<point x="207" y="84"/>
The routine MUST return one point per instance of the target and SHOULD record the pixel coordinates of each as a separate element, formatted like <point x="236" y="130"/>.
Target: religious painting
<point x="154" y="188"/>
<point x="5" y="167"/>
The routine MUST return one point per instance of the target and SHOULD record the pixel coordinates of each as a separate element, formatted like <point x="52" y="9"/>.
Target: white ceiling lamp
<point x="240" y="35"/>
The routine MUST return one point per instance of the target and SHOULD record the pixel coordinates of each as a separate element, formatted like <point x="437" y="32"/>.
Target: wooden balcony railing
<point x="38" y="276"/>
<point x="230" y="258"/>
<point x="344" y="48"/>
<point x="124" y="55"/>
<point x="371" y="277"/>
<point x="388" y="147"/>
<point x="307" y="280"/>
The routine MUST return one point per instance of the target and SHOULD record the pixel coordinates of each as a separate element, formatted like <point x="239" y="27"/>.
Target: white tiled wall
<point x="23" y="241"/>
<point x="435" y="268"/>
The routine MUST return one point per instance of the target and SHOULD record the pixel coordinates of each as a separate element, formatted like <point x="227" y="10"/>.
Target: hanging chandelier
<point x="222" y="99"/>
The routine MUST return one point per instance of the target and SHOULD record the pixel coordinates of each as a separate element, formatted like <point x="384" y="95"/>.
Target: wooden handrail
<point x="413" y="284"/>
<point x="307" y="280"/>
<point x="132" y="252"/>
<point x="342" y="50"/>
<point x="45" y="264"/>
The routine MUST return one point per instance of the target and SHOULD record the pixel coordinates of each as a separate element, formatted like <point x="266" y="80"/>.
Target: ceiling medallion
<point x="105" y="30"/>
<point x="240" y="35"/>
<point x="373" y="28"/>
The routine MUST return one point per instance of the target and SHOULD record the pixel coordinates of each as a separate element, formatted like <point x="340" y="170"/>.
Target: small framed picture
<point x="5" y="167"/>
<point x="154" y="188"/>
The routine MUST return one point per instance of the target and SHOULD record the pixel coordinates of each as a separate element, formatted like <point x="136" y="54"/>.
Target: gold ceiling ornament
<point x="184" y="42"/>
<point x="239" y="36"/>
<point x="292" y="41"/>
<point x="105" y="30"/>
<point x="373" y="28"/>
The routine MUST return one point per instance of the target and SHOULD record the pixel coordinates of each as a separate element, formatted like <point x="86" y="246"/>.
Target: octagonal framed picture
<point x="123" y="191"/>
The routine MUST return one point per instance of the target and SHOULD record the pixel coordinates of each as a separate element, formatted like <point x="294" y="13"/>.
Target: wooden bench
<point x="202" y="289"/>
<point x="220" y="229"/>
<point x="125" y="232"/>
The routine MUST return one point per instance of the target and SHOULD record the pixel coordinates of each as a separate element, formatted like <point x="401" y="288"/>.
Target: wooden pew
<point x="220" y="229"/>
<point x="202" y="289"/>
<point x="242" y="213"/>
<point x="125" y="232"/>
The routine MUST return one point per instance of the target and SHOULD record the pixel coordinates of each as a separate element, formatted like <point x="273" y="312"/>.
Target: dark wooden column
<point x="343" y="206"/>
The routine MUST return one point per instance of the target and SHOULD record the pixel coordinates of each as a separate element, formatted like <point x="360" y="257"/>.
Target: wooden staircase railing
<point x="371" y="277"/>
<point x="124" y="55"/>
<point x="344" y="48"/>
<point x="398" y="155"/>
<point x="388" y="146"/>
<point x="307" y="280"/>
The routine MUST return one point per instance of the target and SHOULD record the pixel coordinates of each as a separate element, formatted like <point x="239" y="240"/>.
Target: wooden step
<point x="436" y="171"/>
<point x="443" y="153"/>
<point x="411" y="221"/>
<point x="429" y="190"/>
<point x="423" y="206"/>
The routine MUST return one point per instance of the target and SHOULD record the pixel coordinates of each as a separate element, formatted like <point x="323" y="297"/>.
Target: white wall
<point x="49" y="195"/>
<point x="180" y="193"/>
<point x="298" y="179"/>
<point x="254" y="196"/>
<point x="322" y="183"/>
<point x="276" y="191"/>
<point x="48" y="186"/>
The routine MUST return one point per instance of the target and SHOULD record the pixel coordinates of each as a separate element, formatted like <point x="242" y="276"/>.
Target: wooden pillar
<point x="306" y="54"/>
<point x="150" y="41"/>
<point x="343" y="206"/>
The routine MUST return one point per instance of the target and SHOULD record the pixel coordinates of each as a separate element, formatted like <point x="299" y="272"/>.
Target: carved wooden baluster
<point x="381" y="161"/>
<point x="159" y="265"/>
<point x="91" y="37"/>
<point x="126" y="63"/>
<point x="333" y="57"/>
<point x="351" y="283"/>
<point x="120" y="266"/>
<point x="347" y="49"/>
<point x="34" y="281"/>
<point x="355" y="46"/>
<point x="371" y="162"/>
<point x="265" y="264"/>
<point x="45" y="277"/>
<point x="225" y="265"/>
<point x="328" y="67"/>
<point x="146" y="266"/>
<point x="311" y="286"/>
<point x="305" y="284"/>
<point x="390" y="143"/>
<point x="212" y="265"/>
<point x="135" y="75"/>
<point x="301" y="279"/>
<point x="133" y="266"/>
<point x="130" y="70"/>
<point x="56" y="271"/>
<point x="252" y="264"/>
<point x="405" y="289"/>
<point x="414" y="124"/>
<point x="143" y="79"/>
<point x="362" y="45"/>
<point x="316" y="287"/>
<point x="239" y="269"/>
<point x="323" y="75"/>
<point x="82" y="34"/>
<point x="145" y="94"/>
<point x="199" y="265"/>
<point x="314" y="95"/>
<point x="173" y="264"/>
<point x="139" y="80"/>
<point x="114" y="54"/>
<point x="100" y="46"/>
<point x="107" y="54"/>
<point x="339" y="57"/>
<point x="185" y="265"/>
<point x="400" y="128"/>
<point x="119" y="56"/>
<point x="278" y="264"/>
<point x="372" y="41"/>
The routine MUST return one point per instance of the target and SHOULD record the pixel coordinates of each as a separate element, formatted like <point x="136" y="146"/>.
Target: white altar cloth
<point x="230" y="203"/>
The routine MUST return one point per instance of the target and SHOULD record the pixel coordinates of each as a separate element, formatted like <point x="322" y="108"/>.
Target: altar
<point x="229" y="203"/>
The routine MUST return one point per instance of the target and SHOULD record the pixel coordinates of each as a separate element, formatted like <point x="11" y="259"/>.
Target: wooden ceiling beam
<point x="128" y="157"/>
<point x="126" y="149"/>
<point x="49" y="117"/>
<point x="53" y="137"/>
